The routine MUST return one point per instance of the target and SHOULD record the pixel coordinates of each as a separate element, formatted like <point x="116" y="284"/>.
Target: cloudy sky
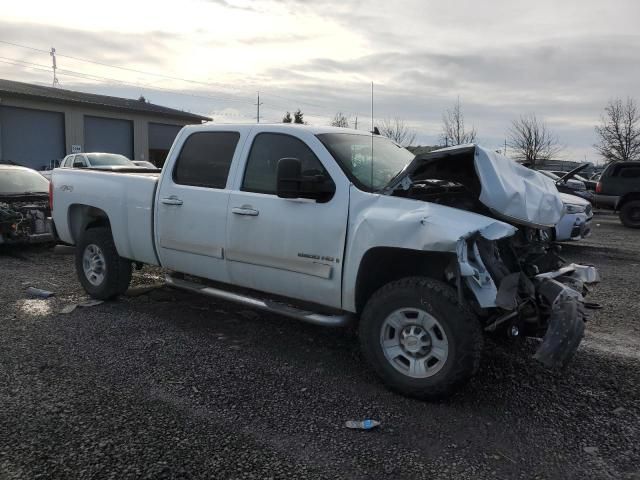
<point x="561" y="60"/>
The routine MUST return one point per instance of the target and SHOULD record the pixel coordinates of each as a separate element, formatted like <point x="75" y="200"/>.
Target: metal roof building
<point x="40" y="125"/>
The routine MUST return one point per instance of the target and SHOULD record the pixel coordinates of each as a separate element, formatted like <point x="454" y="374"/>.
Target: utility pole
<point x="257" y="104"/>
<point x="356" y="122"/>
<point x="54" y="66"/>
<point x="504" y="152"/>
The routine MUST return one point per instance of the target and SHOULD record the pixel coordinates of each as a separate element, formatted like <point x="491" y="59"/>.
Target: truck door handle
<point x="172" y="200"/>
<point x="245" y="210"/>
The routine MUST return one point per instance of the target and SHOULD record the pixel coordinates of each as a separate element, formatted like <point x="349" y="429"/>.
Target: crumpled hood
<point x="512" y="192"/>
<point x="517" y="192"/>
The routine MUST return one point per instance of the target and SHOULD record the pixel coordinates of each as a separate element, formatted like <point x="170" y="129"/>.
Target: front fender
<point x="385" y="221"/>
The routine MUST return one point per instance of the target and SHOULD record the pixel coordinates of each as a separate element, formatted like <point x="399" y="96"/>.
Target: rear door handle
<point x="245" y="210"/>
<point x="172" y="200"/>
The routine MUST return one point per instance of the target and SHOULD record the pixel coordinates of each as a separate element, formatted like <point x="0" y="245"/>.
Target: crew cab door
<point x="289" y="247"/>
<point x="191" y="202"/>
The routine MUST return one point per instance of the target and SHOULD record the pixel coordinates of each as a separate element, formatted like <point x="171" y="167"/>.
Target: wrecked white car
<point x="333" y="226"/>
<point x="25" y="216"/>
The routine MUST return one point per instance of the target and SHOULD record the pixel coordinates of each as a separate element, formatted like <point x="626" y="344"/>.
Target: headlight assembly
<point x="573" y="208"/>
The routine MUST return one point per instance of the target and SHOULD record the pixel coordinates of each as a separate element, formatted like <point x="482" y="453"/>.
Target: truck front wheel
<point x="101" y="271"/>
<point x="418" y="339"/>
<point x="630" y="214"/>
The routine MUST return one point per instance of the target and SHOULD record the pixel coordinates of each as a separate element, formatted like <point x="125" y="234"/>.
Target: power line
<point x="88" y="76"/>
<point x="168" y="77"/>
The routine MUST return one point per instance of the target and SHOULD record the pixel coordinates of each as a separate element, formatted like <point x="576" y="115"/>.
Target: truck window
<point x="266" y="151"/>
<point x="630" y="172"/>
<point x="205" y="159"/>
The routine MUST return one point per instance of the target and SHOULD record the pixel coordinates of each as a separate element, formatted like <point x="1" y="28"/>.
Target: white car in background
<point x="144" y="164"/>
<point x="575" y="224"/>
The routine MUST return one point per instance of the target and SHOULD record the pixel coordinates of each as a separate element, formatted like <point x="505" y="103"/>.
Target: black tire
<point x="630" y="214"/>
<point x="462" y="329"/>
<point x="117" y="270"/>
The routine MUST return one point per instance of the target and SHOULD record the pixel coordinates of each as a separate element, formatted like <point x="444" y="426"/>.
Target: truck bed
<point x="126" y="197"/>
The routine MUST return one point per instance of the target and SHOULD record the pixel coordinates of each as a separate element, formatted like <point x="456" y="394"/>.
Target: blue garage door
<point x="161" y="137"/>
<point x="109" y="135"/>
<point x="33" y="138"/>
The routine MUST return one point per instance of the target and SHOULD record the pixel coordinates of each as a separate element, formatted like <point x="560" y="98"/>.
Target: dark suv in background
<point x="619" y="189"/>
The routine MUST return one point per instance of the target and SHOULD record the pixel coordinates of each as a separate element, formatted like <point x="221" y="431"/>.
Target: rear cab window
<point x="205" y="159"/>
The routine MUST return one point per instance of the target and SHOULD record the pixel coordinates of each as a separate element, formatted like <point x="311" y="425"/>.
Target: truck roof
<point x="280" y="127"/>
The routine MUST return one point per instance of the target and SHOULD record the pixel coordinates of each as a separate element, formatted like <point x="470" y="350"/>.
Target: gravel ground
<point x="172" y="385"/>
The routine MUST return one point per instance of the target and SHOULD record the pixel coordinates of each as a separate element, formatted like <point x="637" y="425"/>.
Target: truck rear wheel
<point x="101" y="271"/>
<point x="630" y="214"/>
<point x="418" y="339"/>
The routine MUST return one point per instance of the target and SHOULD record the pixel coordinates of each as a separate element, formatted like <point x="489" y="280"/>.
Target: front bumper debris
<point x="565" y="325"/>
<point x="562" y="291"/>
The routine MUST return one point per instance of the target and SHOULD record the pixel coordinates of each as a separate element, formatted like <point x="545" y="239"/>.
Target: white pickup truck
<point x="335" y="226"/>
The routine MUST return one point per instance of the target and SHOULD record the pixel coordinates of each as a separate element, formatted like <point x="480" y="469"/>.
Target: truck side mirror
<point x="292" y="184"/>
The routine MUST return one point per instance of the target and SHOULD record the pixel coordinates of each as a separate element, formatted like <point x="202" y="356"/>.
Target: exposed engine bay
<point x="518" y="285"/>
<point x="24" y="220"/>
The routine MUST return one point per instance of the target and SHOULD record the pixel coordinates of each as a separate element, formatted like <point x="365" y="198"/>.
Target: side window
<point x="79" y="162"/>
<point x="205" y="159"/>
<point x="67" y="162"/>
<point x="266" y="151"/>
<point x="630" y="172"/>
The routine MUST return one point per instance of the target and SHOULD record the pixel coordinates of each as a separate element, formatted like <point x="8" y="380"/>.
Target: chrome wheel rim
<point x="414" y="342"/>
<point x="94" y="265"/>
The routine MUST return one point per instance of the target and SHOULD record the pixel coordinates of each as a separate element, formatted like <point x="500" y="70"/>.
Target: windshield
<point x="353" y="153"/>
<point x="19" y="181"/>
<point x="108" y="159"/>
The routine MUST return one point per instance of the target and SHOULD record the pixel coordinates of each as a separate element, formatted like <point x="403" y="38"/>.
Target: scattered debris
<point x="38" y="292"/>
<point x="87" y="303"/>
<point x="619" y="411"/>
<point x="590" y="450"/>
<point x="195" y="389"/>
<point x="69" y="308"/>
<point x="90" y="303"/>
<point x="362" y="424"/>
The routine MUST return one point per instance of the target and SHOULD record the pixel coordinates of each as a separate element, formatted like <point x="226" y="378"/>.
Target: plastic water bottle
<point x="367" y="424"/>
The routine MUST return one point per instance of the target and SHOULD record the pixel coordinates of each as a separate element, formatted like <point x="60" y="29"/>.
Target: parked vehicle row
<point x="427" y="253"/>
<point x="619" y="189"/>
<point x="98" y="160"/>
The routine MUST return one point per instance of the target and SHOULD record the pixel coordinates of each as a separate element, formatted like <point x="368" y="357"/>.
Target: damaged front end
<point x="522" y="288"/>
<point x="517" y="282"/>
<point x="25" y="220"/>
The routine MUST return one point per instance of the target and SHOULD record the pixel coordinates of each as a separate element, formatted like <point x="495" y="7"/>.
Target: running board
<point x="267" y="305"/>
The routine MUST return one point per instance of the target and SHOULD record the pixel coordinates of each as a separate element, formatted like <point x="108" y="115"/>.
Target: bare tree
<point x="532" y="141"/>
<point x="340" y="120"/>
<point x="398" y="131"/>
<point x="453" y="129"/>
<point x="619" y="131"/>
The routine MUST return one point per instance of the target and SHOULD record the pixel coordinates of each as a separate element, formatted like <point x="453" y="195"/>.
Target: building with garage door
<point x="40" y="125"/>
